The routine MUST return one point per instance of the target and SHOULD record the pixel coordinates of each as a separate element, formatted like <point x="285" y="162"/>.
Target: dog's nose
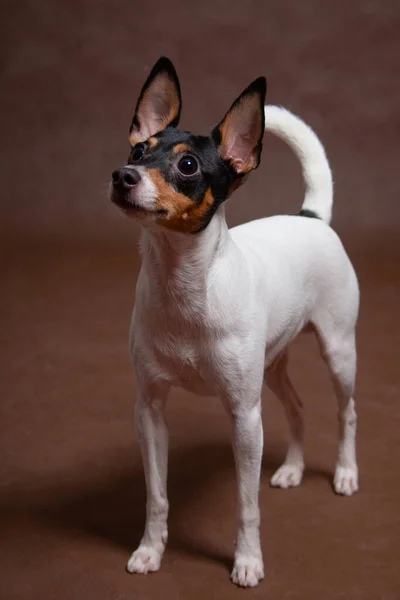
<point x="125" y="178"/>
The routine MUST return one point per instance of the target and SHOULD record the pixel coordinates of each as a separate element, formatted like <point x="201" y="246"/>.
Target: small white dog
<point x="216" y="309"/>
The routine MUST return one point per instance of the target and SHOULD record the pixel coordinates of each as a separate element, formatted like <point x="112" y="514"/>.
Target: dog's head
<point x="173" y="178"/>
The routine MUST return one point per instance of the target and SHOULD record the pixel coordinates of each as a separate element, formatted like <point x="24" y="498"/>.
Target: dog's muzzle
<point x="124" y="181"/>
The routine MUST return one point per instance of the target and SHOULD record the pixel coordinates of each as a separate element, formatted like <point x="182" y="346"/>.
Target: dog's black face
<point x="176" y="179"/>
<point x="188" y="174"/>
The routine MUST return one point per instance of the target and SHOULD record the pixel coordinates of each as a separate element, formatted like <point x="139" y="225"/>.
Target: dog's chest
<point x="180" y="330"/>
<point x="185" y="362"/>
<point x="182" y="358"/>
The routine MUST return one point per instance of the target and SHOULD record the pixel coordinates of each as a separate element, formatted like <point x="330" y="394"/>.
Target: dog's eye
<point x="137" y="152"/>
<point x="188" y="165"/>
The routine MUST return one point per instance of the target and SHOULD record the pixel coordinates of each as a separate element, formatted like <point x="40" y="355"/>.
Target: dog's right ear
<point x="159" y="104"/>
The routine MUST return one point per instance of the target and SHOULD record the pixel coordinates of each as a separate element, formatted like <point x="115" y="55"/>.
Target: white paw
<point x="287" y="476"/>
<point x="345" y="481"/>
<point x="247" y="571"/>
<point x="144" y="560"/>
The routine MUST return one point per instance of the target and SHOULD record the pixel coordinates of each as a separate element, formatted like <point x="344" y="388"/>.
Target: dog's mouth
<point x="127" y="205"/>
<point x="132" y="208"/>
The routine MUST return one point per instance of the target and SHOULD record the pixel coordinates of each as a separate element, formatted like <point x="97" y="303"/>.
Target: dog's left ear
<point x="239" y="134"/>
<point x="159" y="104"/>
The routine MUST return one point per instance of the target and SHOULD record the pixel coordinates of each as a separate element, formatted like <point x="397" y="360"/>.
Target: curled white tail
<point x="309" y="150"/>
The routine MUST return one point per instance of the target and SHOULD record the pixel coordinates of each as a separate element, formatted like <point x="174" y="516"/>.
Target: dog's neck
<point x="178" y="264"/>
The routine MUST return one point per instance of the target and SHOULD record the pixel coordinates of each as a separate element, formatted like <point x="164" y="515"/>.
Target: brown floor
<point x="72" y="504"/>
<point x="72" y="490"/>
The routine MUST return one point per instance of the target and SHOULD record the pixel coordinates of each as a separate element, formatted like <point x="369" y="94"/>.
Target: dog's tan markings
<point x="152" y="142"/>
<point x="182" y="214"/>
<point x="135" y="137"/>
<point x="180" y="148"/>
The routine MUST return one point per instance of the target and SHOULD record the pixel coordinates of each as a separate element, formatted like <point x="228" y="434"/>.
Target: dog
<point x="216" y="308"/>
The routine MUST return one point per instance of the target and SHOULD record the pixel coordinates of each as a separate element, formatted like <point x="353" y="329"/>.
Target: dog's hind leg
<point x="339" y="351"/>
<point x="277" y="379"/>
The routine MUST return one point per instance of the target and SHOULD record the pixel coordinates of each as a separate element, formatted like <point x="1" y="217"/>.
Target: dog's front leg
<point x="153" y="437"/>
<point x="248" y="567"/>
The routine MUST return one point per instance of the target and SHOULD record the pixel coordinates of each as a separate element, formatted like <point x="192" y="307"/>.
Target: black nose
<point x="125" y="179"/>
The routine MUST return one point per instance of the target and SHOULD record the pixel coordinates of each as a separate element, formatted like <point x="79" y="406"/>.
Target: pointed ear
<point x="239" y="134"/>
<point x="159" y="103"/>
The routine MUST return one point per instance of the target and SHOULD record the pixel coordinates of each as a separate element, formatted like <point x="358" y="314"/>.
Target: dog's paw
<point x="144" y="560"/>
<point x="248" y="571"/>
<point x="345" y="481"/>
<point x="287" y="476"/>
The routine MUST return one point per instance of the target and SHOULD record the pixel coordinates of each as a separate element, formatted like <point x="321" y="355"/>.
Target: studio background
<point x="72" y="491"/>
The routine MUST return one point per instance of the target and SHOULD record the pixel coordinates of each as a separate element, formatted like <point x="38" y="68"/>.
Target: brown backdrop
<point x="72" y="493"/>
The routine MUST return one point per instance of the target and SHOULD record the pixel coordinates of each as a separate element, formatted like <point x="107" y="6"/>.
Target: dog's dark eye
<point x="188" y="165"/>
<point x="137" y="152"/>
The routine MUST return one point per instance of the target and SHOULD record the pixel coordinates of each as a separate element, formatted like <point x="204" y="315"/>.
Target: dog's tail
<point x="309" y="150"/>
